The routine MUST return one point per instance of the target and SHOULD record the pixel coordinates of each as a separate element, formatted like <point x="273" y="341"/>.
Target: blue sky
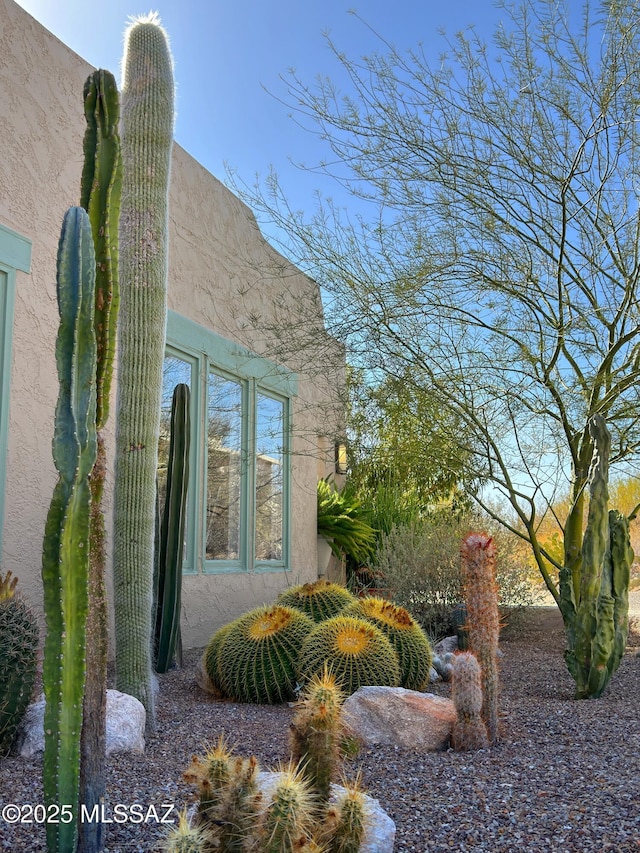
<point x="227" y="52"/>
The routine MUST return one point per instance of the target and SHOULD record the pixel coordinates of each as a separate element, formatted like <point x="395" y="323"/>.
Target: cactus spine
<point x="170" y="552"/>
<point x="288" y="818"/>
<point x="100" y="197"/>
<point x="147" y="137"/>
<point x="346" y="821"/>
<point x="18" y="649"/>
<point x="481" y="596"/>
<point x="597" y="616"/>
<point x="65" y="559"/>
<point x="469" y="730"/>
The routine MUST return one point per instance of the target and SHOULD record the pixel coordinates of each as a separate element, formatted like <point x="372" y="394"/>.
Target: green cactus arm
<point x="66" y="542"/>
<point x="100" y="196"/>
<point x="172" y="532"/>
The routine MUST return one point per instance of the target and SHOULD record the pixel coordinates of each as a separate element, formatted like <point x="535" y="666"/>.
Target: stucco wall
<point x="223" y="275"/>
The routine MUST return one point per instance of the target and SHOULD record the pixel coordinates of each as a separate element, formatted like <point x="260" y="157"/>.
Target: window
<point x="15" y="254"/>
<point x="239" y="489"/>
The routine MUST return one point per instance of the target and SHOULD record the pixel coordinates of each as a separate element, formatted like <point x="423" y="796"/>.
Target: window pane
<point x="174" y="371"/>
<point x="224" y="469"/>
<point x="269" y="478"/>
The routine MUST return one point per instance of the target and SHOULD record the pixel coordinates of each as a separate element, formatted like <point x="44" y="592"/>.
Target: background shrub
<point x="420" y="562"/>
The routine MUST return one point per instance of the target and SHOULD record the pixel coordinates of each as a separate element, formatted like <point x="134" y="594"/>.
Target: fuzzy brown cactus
<point x="481" y="596"/>
<point x="469" y="730"/>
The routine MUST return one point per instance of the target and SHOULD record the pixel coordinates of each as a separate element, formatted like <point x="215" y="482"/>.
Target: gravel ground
<point x="564" y="778"/>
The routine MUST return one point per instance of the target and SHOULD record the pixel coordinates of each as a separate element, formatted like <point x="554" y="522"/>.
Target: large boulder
<point x="125" y="726"/>
<point x="398" y="717"/>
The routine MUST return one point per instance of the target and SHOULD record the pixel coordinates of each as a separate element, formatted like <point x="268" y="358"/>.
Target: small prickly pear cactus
<point x="65" y="558"/>
<point x="147" y="139"/>
<point x="469" y="730"/>
<point x="18" y="655"/>
<point x="315" y="733"/>
<point x="481" y="596"/>
<point x="320" y="600"/>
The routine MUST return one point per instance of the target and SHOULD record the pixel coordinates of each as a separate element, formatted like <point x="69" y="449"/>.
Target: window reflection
<point x="224" y="468"/>
<point x="269" y="478"/>
<point x="174" y="372"/>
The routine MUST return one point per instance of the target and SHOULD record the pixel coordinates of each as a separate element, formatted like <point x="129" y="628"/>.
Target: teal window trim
<point x="15" y="256"/>
<point x="255" y="374"/>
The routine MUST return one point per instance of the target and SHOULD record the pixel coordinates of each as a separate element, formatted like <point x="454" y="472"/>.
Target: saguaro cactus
<point x="100" y="197"/>
<point x="65" y="559"/>
<point x="481" y="597"/>
<point x="596" y="616"/>
<point x="171" y="544"/>
<point x="147" y="137"/>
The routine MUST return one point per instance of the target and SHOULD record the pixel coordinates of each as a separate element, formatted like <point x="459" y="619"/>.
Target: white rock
<point x="125" y="726"/>
<point x="399" y="717"/>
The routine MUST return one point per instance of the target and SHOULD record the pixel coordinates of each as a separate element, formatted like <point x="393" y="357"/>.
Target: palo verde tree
<point x="496" y="259"/>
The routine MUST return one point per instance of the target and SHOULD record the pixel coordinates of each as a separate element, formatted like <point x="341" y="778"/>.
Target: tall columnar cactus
<point x="169" y="557"/>
<point x="65" y="559"/>
<point x="18" y="654"/>
<point x="481" y="596"/>
<point x="469" y="730"/>
<point x="100" y="197"/>
<point x="147" y="137"/>
<point x="596" y="616"/>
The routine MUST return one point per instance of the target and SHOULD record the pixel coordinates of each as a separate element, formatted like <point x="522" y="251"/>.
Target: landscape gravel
<point x="564" y="778"/>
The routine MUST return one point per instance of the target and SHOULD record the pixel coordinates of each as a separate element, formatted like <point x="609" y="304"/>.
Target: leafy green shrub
<point x="344" y="523"/>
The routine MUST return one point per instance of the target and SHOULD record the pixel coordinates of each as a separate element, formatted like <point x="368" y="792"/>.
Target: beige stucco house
<point x="232" y="303"/>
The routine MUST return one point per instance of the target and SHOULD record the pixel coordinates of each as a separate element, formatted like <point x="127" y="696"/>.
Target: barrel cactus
<point x="18" y="648"/>
<point x="257" y="656"/>
<point x="405" y="635"/>
<point x="357" y="652"/>
<point x="319" y="600"/>
<point x="210" y="656"/>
